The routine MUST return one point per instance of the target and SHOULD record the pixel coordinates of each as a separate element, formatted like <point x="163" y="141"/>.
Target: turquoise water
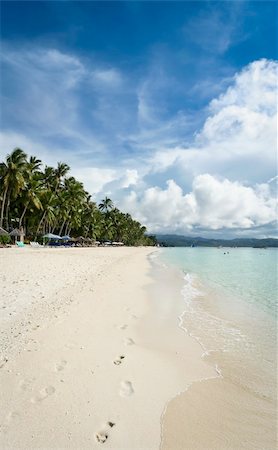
<point x="246" y="273"/>
<point x="229" y="299"/>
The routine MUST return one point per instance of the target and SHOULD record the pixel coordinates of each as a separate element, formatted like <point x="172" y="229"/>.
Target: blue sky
<point x="167" y="107"/>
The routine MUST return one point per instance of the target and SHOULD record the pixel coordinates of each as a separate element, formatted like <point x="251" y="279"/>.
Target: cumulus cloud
<point x="238" y="138"/>
<point x="94" y="178"/>
<point x="212" y="204"/>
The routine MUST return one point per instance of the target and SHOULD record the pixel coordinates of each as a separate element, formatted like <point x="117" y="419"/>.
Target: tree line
<point x="48" y="200"/>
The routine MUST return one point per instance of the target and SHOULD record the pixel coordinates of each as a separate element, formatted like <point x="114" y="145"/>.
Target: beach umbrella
<point x="51" y="236"/>
<point x="3" y="232"/>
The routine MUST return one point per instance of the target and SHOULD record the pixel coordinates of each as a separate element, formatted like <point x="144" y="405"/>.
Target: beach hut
<point x="17" y="233"/>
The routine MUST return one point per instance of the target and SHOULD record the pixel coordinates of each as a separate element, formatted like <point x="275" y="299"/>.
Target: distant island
<point x="173" y="240"/>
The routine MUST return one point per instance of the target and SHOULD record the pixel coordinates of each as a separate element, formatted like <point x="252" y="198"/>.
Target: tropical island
<point x="173" y="240"/>
<point x="47" y="200"/>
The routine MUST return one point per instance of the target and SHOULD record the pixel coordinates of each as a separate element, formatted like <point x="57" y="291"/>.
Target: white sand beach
<point x="86" y="360"/>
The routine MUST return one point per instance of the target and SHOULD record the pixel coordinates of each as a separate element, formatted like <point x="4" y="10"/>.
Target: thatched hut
<point x="18" y="233"/>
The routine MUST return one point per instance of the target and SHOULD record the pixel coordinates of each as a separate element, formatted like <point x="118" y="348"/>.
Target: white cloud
<point x="238" y="139"/>
<point x="94" y="178"/>
<point x="130" y="178"/>
<point x="254" y="86"/>
<point x="212" y="204"/>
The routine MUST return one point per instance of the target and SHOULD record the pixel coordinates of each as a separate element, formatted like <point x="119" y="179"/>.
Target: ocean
<point x="229" y="298"/>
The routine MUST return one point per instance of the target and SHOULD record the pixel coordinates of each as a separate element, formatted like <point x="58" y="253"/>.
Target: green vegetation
<point x="173" y="240"/>
<point x="48" y="201"/>
<point x="4" y="239"/>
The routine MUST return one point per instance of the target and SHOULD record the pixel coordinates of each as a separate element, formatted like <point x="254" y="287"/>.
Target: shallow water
<point x="229" y="298"/>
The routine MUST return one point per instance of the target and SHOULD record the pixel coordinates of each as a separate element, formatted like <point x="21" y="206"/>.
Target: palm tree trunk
<point x="68" y="228"/>
<point x="3" y="206"/>
<point x="41" y="222"/>
<point x="23" y="214"/>
<point x="62" y="226"/>
<point x="7" y="211"/>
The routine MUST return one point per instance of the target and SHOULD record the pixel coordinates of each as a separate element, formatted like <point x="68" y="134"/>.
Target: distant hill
<point x="173" y="240"/>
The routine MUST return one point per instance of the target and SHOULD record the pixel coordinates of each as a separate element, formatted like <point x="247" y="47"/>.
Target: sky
<point x="168" y="108"/>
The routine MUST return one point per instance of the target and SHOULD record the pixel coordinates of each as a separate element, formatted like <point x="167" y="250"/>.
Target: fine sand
<point x="91" y="353"/>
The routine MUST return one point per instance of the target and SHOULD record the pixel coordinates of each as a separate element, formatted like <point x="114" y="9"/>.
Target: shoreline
<point x="236" y="409"/>
<point x="98" y="357"/>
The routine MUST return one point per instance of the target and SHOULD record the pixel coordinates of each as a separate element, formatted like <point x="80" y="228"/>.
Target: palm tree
<point x="106" y="205"/>
<point x="33" y="165"/>
<point x="53" y="180"/>
<point x="12" y="179"/>
<point x="31" y="197"/>
<point x="33" y="185"/>
<point x="60" y="172"/>
<point x="76" y="198"/>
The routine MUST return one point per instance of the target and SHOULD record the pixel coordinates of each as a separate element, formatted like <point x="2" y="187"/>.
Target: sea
<point x="229" y="306"/>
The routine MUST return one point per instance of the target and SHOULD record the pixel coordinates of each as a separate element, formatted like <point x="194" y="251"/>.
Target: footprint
<point x="123" y="327"/>
<point x="101" y="437"/>
<point x="26" y="385"/>
<point x="43" y="394"/>
<point x="126" y="389"/>
<point x="60" y="366"/>
<point x="118" y="360"/>
<point x="129" y="341"/>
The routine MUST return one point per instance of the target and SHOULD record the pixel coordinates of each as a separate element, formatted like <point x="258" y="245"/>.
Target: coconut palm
<point x="31" y="197"/>
<point x="60" y="172"/>
<point x="106" y="205"/>
<point x="53" y="179"/>
<point x="12" y="179"/>
<point x="33" y="165"/>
